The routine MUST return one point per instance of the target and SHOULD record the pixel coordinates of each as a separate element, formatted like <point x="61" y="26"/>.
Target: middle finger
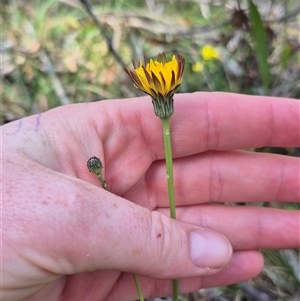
<point x="231" y="176"/>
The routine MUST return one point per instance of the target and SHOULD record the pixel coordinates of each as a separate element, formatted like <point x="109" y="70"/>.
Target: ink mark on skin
<point x="18" y="128"/>
<point x="38" y="122"/>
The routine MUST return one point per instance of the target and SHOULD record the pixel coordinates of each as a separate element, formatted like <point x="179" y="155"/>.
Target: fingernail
<point x="209" y="249"/>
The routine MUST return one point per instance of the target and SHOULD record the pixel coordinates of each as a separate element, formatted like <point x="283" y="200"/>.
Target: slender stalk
<point x="138" y="288"/>
<point x="169" y="165"/>
<point x="95" y="166"/>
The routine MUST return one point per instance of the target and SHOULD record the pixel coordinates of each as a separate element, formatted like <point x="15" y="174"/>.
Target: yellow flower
<point x="159" y="79"/>
<point x="197" y="67"/>
<point x="209" y="53"/>
<point x="158" y="76"/>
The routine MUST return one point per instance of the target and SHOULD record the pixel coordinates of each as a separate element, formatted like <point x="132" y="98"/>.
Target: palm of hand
<point x="52" y="162"/>
<point x="63" y="144"/>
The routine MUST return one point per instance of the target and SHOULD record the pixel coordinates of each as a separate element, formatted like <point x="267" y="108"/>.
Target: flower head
<point x="159" y="79"/>
<point x="197" y="67"/>
<point x="94" y="165"/>
<point x="210" y="53"/>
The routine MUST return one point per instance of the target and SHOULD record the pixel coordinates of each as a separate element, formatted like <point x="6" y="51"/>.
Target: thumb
<point x="112" y="233"/>
<point x="83" y="228"/>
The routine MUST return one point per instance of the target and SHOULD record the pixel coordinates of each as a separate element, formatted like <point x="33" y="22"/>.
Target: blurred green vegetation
<point x="54" y="53"/>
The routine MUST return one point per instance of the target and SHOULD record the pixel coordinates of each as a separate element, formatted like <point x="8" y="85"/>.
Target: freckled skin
<point x="66" y="238"/>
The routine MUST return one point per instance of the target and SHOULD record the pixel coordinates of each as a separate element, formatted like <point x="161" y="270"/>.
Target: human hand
<point x="65" y="238"/>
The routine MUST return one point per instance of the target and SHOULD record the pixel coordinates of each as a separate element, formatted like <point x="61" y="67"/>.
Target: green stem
<point x="101" y="179"/>
<point x="138" y="288"/>
<point x="169" y="164"/>
<point x="175" y="290"/>
<point x="95" y="166"/>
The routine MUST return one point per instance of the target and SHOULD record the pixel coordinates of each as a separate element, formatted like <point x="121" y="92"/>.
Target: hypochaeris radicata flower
<point x="159" y="79"/>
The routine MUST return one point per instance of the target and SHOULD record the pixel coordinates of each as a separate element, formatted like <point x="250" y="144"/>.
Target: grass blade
<point x="260" y="41"/>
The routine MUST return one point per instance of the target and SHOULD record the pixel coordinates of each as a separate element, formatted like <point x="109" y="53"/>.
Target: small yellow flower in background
<point x="197" y="67"/>
<point x="210" y="53"/>
<point x="159" y="79"/>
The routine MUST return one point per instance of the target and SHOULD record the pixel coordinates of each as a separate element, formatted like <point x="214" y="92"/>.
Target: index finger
<point x="222" y="121"/>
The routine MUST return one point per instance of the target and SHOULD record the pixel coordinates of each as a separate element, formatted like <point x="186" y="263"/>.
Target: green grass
<point x="81" y="65"/>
